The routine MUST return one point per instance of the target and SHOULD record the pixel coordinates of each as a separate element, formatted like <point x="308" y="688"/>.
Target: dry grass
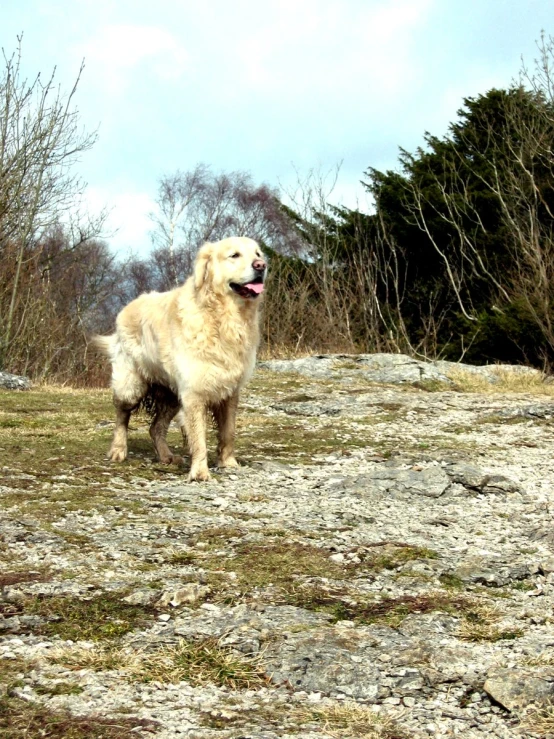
<point x="513" y="380"/>
<point x="539" y="719"/>
<point x="21" y="719"/>
<point x="53" y="444"/>
<point x="97" y="659"/>
<point x="544" y="659"/>
<point x="482" y="622"/>
<point x="17" y="577"/>
<point x="350" y="719"/>
<point x="328" y="719"/>
<point x="196" y="662"/>
<point x="203" y="662"/>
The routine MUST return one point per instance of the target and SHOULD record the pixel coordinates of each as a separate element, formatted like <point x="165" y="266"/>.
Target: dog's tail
<point x="103" y="344"/>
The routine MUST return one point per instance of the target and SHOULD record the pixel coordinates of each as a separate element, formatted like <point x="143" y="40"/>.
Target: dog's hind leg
<point x="166" y="405"/>
<point x="118" y="449"/>
<point x="128" y="390"/>
<point x="225" y="414"/>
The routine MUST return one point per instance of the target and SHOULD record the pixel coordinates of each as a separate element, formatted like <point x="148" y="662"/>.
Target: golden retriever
<point x="198" y="341"/>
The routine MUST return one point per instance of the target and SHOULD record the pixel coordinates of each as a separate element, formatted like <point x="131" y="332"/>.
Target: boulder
<point x="14" y="382"/>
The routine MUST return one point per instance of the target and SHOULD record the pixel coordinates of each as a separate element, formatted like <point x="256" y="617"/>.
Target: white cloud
<point x="321" y="48"/>
<point x="116" y="51"/>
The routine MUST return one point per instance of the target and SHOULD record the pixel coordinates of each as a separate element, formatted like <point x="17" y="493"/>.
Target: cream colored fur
<point x="199" y="340"/>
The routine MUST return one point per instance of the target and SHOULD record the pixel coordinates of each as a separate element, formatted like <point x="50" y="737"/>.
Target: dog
<point x="192" y="349"/>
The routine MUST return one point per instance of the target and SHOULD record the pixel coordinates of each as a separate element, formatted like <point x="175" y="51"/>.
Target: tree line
<point x="456" y="259"/>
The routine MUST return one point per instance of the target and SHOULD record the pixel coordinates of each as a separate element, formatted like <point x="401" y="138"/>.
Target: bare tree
<point x="177" y="194"/>
<point x="198" y="206"/>
<point x="40" y="139"/>
<point x="68" y="291"/>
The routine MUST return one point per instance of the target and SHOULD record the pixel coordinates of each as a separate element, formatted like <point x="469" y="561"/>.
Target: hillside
<point x="381" y="566"/>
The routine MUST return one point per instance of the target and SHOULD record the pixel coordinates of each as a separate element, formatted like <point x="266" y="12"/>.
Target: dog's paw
<point x="228" y="464"/>
<point x="199" y="475"/>
<point x="173" y="459"/>
<point x="117" y="455"/>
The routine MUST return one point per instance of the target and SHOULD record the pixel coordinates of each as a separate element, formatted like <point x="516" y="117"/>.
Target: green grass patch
<point x="101" y="617"/>
<point x="282" y="564"/>
<point x="390" y="555"/>
<point x="12" y="672"/>
<point x="60" y="688"/>
<point x="452" y="582"/>
<point x="217" y="535"/>
<point x="182" y="558"/>
<point x="50" y="432"/>
<point x="479" y="621"/>
<point x="387" y="611"/>
<point x="433" y="386"/>
<point x="277" y="563"/>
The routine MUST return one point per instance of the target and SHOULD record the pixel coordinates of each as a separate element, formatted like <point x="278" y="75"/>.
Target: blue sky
<point x="269" y="87"/>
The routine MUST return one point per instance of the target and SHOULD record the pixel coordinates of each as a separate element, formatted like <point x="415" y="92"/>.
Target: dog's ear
<point x="202" y="265"/>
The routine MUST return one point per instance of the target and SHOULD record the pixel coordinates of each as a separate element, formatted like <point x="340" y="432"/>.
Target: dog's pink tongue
<point x="256" y="287"/>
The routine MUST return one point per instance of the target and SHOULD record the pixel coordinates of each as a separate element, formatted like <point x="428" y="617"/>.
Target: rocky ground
<point x="381" y="566"/>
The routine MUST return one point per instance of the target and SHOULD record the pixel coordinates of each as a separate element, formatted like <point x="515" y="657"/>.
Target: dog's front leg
<point x="225" y="414"/>
<point x="195" y="410"/>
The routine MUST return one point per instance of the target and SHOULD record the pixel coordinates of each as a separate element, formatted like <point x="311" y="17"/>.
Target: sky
<point x="275" y="87"/>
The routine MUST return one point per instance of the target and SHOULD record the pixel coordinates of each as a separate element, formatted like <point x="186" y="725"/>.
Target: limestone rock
<point x="189" y="593"/>
<point x="141" y="597"/>
<point x="14" y="382"/>
<point x="518" y="688"/>
<point x="430" y="482"/>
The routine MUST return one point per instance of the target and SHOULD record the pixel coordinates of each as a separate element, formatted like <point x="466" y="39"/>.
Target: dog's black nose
<point x="259" y="265"/>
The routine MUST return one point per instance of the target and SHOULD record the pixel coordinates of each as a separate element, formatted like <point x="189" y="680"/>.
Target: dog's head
<point x="234" y="266"/>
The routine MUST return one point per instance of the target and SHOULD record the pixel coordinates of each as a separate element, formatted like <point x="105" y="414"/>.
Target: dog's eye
<point x="236" y="255"/>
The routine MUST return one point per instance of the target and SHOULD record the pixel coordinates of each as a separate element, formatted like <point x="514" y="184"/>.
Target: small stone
<point x="141" y="597"/>
<point x="190" y="593"/>
<point x="547" y="565"/>
<point x="314" y="697"/>
<point x="12" y="595"/>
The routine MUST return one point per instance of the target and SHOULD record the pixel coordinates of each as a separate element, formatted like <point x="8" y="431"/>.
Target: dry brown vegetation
<point x="197" y="662"/>
<point x="21" y="719"/>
